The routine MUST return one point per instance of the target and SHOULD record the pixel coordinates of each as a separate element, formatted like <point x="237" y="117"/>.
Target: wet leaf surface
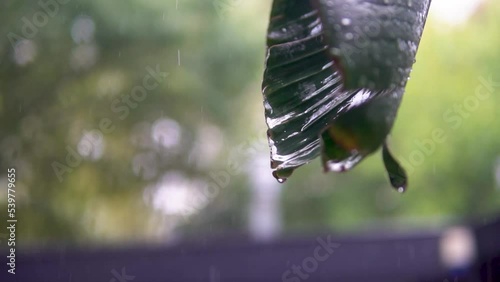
<point x="335" y="76"/>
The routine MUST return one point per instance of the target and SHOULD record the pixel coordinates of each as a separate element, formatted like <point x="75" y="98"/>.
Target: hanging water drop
<point x="397" y="175"/>
<point x="282" y="175"/>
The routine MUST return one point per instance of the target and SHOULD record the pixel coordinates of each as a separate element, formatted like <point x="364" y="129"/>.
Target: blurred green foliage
<point x="64" y="78"/>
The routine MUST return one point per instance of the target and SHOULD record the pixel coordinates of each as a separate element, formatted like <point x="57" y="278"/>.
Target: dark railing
<point x="381" y="258"/>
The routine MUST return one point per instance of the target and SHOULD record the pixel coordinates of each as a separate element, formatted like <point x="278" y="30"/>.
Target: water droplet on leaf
<point x="397" y="175"/>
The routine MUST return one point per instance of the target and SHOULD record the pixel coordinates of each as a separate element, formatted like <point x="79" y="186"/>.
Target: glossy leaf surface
<point x="335" y="76"/>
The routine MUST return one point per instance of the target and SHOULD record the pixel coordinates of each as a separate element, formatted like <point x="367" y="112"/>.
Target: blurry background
<point x="142" y="121"/>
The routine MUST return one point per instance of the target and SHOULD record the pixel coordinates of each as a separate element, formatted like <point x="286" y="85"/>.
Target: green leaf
<point x="335" y="76"/>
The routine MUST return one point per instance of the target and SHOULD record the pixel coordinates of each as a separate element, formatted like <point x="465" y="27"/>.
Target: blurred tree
<point x="141" y="167"/>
